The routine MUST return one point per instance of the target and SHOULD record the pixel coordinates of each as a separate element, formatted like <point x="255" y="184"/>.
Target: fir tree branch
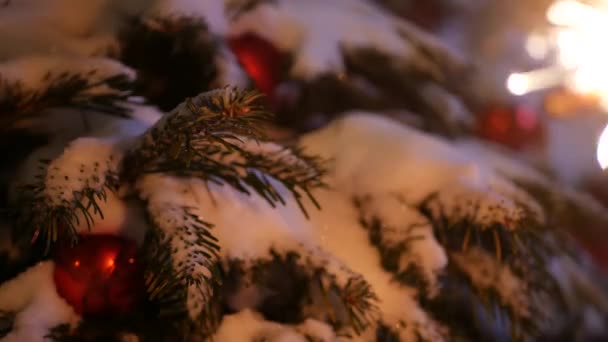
<point x="524" y="247"/>
<point x="175" y="57"/>
<point x="396" y="230"/>
<point x="63" y="90"/>
<point x="67" y="194"/>
<point x="183" y="246"/>
<point x="212" y="136"/>
<point x="335" y="293"/>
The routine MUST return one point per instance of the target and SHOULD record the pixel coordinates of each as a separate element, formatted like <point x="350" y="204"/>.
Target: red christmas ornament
<point x="515" y="127"/>
<point x="101" y="275"/>
<point x="262" y="61"/>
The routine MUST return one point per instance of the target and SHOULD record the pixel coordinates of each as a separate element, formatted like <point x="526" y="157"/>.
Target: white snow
<point x="420" y="165"/>
<point x="64" y="179"/>
<point x="85" y="163"/>
<point x="33" y="297"/>
<point x="402" y="223"/>
<point x="33" y="71"/>
<point x="249" y="326"/>
<point x="395" y="166"/>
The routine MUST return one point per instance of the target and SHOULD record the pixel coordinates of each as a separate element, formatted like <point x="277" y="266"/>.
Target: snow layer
<point x="420" y="165"/>
<point x="335" y="229"/>
<point x="411" y="166"/>
<point x="250" y="324"/>
<point x="33" y="71"/>
<point x="403" y="224"/>
<point x="33" y="297"/>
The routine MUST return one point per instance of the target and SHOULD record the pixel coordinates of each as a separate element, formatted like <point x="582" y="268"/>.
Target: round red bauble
<point x="516" y="127"/>
<point x="262" y="61"/>
<point x="101" y="275"/>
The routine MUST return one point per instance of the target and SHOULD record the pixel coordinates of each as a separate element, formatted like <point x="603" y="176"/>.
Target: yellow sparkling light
<point x="581" y="30"/>
<point x="578" y="36"/>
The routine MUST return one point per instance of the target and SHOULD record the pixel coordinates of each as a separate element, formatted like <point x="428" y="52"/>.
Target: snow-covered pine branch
<point x="353" y="54"/>
<point x="68" y="195"/>
<point x="33" y="84"/>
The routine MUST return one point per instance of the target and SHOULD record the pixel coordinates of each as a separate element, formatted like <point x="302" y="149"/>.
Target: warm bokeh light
<point x="578" y="39"/>
<point x="578" y="35"/>
<point x="518" y="84"/>
<point x="537" y="46"/>
<point x="602" y="149"/>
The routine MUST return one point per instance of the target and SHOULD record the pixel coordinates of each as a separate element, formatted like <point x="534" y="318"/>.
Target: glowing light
<point x="110" y="263"/>
<point x="131" y="260"/>
<point x="602" y="149"/>
<point x="76" y="263"/>
<point x="523" y="83"/>
<point x="570" y="13"/>
<point x="578" y="38"/>
<point x="518" y="84"/>
<point x="537" y="46"/>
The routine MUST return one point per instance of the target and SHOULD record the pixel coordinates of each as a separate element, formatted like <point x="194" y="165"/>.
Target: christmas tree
<point x="285" y="170"/>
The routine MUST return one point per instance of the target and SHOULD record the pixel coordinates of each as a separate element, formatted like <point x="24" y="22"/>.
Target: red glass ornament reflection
<point x="262" y="61"/>
<point x="515" y="127"/>
<point x="101" y="275"/>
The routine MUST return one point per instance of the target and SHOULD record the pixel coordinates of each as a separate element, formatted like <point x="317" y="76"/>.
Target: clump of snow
<point x="167" y="199"/>
<point x="85" y="164"/>
<point x="517" y="170"/>
<point x="34" y="72"/>
<point x="485" y="272"/>
<point x="317" y="31"/>
<point x="405" y="227"/>
<point x="335" y="229"/>
<point x="33" y="297"/>
<point x="268" y="232"/>
<point x="250" y="326"/>
<point x="420" y="165"/>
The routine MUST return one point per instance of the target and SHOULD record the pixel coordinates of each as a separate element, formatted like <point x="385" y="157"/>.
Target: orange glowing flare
<point x="76" y="263"/>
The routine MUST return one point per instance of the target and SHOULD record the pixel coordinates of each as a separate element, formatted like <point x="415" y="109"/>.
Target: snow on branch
<point x="404" y="239"/>
<point x="317" y="31"/>
<point x="206" y="137"/>
<point x="68" y="194"/>
<point x="33" y="299"/>
<point x="30" y="85"/>
<point x="180" y="242"/>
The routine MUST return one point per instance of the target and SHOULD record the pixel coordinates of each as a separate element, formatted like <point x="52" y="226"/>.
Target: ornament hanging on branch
<point x="514" y="126"/>
<point x="101" y="275"/>
<point x="262" y="61"/>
